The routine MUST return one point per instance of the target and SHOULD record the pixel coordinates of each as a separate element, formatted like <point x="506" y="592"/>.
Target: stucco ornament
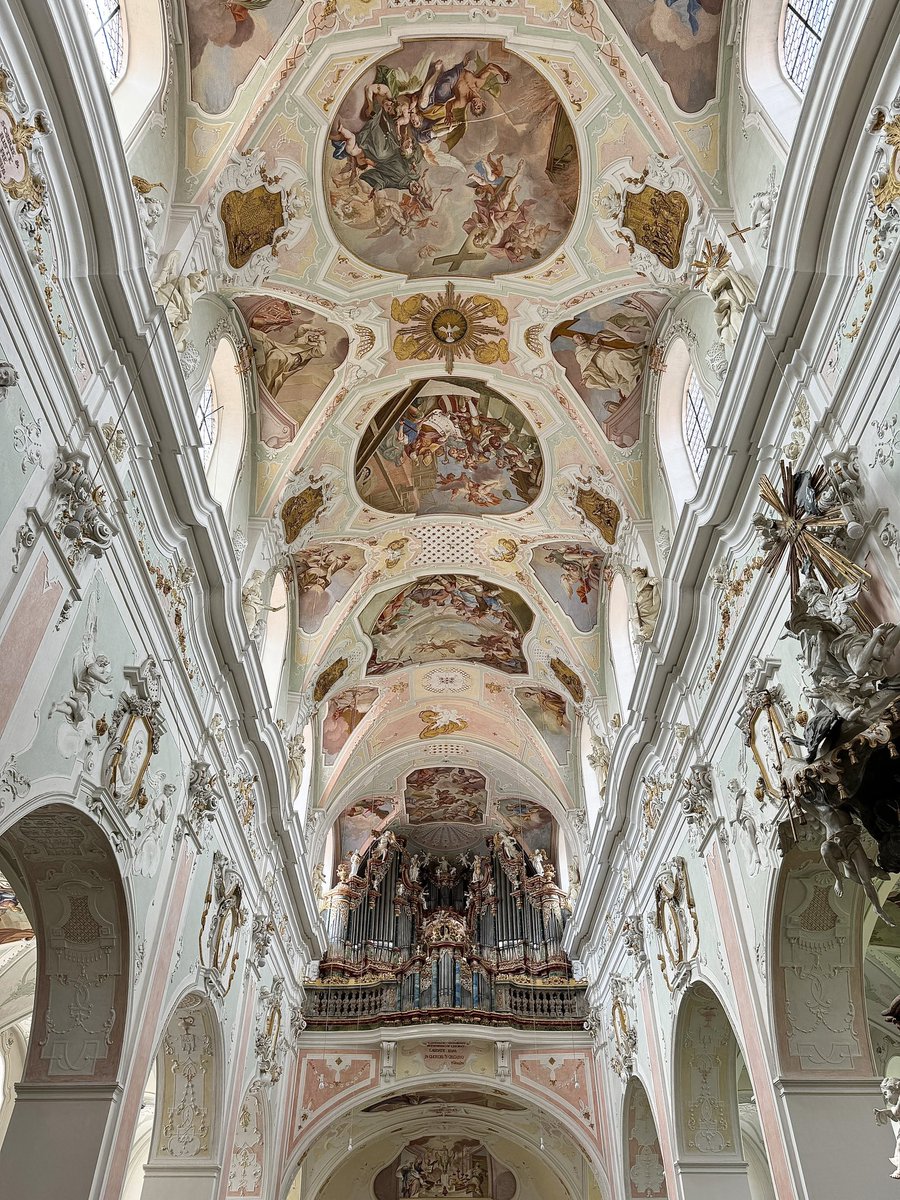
<point x="81" y="515"/>
<point x="675" y="921"/>
<point x="223" y="916"/>
<point x="890" y="1089"/>
<point x="268" y="1037"/>
<point x="92" y="673"/>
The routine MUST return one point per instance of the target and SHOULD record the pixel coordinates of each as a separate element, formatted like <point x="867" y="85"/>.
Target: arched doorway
<point x="711" y="1159"/>
<point x="65" y="874"/>
<point x="645" y="1174"/>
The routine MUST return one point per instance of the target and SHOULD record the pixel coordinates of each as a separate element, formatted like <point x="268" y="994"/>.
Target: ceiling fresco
<point x="454" y="240"/>
<point x="548" y="711"/>
<point x="297" y="353"/>
<point x="681" y="39"/>
<point x="451" y="156"/>
<point x="346" y="711"/>
<point x="226" y="40"/>
<point x="443" y="617"/>
<point x="603" y="352"/>
<point x="445" y="795"/>
<point x="323" y="575"/>
<point x="572" y="575"/>
<point x="449" y="446"/>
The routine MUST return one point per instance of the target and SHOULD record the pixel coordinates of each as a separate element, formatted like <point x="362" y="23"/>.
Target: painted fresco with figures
<point x="452" y="156"/>
<point x="449" y="599"/>
<point x="449" y="446"/>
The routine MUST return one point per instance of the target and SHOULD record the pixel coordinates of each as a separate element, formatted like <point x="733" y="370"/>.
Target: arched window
<point x="276" y="640"/>
<point x="207" y="419"/>
<point x="803" y="29"/>
<point x="621" y="648"/>
<point x="590" y="774"/>
<point x="221" y="424"/>
<point x="108" y="31"/>
<point x="695" y="423"/>
<point x="682" y="425"/>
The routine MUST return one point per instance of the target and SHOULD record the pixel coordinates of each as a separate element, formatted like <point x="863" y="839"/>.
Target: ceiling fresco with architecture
<point x="455" y="243"/>
<point x="449" y="446"/>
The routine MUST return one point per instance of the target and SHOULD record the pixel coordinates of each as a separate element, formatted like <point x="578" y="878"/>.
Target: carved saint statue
<point x="647" y="601"/>
<point x="176" y="293"/>
<point x="844" y="665"/>
<point x="730" y="291"/>
<point x="890" y="1089"/>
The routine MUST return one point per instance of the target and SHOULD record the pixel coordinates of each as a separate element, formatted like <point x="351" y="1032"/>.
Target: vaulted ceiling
<point x="449" y="239"/>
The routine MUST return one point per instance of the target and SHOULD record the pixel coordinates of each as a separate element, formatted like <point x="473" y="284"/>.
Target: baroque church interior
<point x="450" y="638"/>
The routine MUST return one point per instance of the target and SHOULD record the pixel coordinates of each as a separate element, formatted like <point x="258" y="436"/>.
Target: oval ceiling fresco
<point x="449" y="446"/>
<point x="443" y="617"/>
<point x="451" y="156"/>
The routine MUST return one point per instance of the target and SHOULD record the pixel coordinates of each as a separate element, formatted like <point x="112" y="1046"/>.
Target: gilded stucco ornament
<point x="136" y="727"/>
<point x="223" y="917"/>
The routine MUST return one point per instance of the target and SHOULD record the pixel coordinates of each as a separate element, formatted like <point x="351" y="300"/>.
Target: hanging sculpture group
<point x="850" y="775"/>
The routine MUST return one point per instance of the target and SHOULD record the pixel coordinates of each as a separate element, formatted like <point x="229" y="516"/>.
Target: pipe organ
<point x="413" y="936"/>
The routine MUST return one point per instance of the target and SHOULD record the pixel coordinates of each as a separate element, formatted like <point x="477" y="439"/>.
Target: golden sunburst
<point x="451" y="326"/>
<point x="801" y="530"/>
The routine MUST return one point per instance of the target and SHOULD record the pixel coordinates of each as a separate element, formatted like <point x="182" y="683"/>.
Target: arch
<point x="332" y="1131"/>
<point x="247" y="1168"/>
<point x="275" y="645"/>
<point x="679" y="472"/>
<point x="816" y="957"/>
<point x="762" y="66"/>
<point x="230" y="427"/>
<point x="621" y="647"/>
<point x="817" y="996"/>
<point x="708" y="1135"/>
<point x="645" y="1173"/>
<point x="64" y="871"/>
<point x="185" y="1144"/>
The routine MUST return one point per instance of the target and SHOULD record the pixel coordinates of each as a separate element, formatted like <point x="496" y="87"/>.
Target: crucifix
<point x="565" y="329"/>
<point x="466" y="253"/>
<point x="734" y="231"/>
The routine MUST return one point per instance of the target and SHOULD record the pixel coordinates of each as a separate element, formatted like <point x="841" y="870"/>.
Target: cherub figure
<point x="890" y="1089"/>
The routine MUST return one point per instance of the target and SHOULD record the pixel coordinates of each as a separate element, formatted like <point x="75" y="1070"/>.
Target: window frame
<point x="696" y="422"/>
<point x="98" y="25"/>
<point x="809" y="40"/>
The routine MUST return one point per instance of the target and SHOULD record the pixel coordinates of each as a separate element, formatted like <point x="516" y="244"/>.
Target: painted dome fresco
<point x="449" y="446"/>
<point x="451" y="155"/>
